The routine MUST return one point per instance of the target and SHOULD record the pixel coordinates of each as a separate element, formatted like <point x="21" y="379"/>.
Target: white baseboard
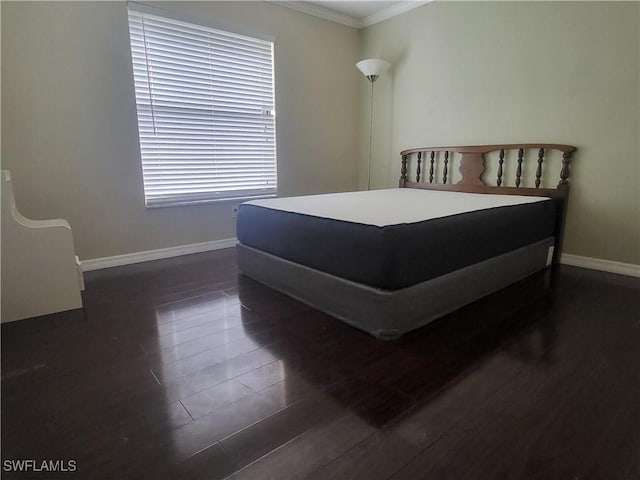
<point x="629" y="269"/>
<point x="138" y="257"/>
<point x="610" y="266"/>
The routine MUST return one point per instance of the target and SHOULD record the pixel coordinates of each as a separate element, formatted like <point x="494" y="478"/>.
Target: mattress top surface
<point x="392" y="206"/>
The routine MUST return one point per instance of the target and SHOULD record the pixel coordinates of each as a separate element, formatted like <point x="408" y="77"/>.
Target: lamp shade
<point x="372" y="67"/>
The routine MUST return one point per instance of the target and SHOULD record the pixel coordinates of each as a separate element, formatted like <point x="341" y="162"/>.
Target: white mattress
<point x="393" y="206"/>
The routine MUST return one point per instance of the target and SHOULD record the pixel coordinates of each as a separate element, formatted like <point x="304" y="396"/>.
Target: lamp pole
<point x="372" y="69"/>
<point x="372" y="79"/>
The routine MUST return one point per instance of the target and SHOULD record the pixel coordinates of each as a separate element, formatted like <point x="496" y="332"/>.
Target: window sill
<point x="190" y="203"/>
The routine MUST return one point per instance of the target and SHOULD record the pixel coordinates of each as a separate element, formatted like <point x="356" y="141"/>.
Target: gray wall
<point x="463" y="73"/>
<point x="69" y="132"/>
<point x="509" y="72"/>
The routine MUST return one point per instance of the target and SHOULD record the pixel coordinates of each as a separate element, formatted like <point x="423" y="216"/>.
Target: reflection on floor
<point x="182" y="369"/>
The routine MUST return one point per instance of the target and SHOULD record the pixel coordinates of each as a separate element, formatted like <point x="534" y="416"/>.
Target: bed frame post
<point x="561" y="208"/>
<point x="561" y="214"/>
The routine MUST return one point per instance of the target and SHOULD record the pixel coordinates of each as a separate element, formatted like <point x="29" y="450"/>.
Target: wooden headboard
<point x="433" y="169"/>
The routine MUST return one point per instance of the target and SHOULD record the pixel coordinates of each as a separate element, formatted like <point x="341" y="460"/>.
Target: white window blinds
<point x="205" y="107"/>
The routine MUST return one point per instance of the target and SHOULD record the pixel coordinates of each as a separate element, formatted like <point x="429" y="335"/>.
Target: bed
<point x="390" y="261"/>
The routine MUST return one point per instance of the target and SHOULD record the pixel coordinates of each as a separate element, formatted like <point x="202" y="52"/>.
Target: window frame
<point x="213" y="196"/>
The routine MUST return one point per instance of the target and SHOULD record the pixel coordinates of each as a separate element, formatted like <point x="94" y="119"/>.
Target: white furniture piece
<point x="40" y="271"/>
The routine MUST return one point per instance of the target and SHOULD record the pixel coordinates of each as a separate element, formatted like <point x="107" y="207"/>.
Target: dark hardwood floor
<point x="181" y="369"/>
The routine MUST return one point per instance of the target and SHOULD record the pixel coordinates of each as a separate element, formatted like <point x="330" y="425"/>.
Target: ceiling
<point x="353" y="13"/>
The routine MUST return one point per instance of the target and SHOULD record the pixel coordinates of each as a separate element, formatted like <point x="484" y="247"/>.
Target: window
<point x="205" y="106"/>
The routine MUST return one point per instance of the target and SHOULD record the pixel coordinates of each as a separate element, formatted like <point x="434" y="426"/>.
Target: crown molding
<point x="319" y="12"/>
<point x="391" y="12"/>
<point x="326" y="14"/>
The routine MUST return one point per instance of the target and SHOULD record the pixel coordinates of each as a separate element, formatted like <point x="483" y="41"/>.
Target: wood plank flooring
<point x="181" y="369"/>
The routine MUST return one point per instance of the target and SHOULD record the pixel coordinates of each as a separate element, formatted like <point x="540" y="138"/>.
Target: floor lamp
<point x="372" y="68"/>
